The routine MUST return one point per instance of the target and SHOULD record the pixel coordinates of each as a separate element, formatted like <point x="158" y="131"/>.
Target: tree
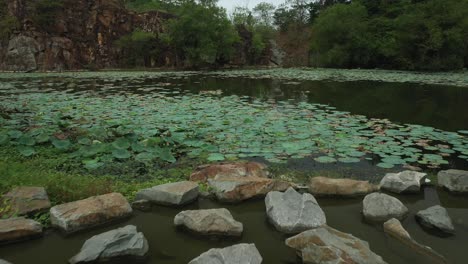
<point x="138" y="48"/>
<point x="8" y="23"/>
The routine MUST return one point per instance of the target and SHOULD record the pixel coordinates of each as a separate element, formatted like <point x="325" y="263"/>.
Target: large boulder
<point x="379" y="207"/>
<point x="453" y="180"/>
<point x="403" y="182"/>
<point x="21" y="54"/>
<point x="27" y="200"/>
<point x="394" y="229"/>
<point x="326" y="245"/>
<point x="291" y="212"/>
<point x="436" y="217"/>
<point x="18" y="229"/>
<point x="235" y="169"/>
<point x="237" y="254"/>
<point x="322" y="186"/>
<point x="90" y="212"/>
<point x="175" y="194"/>
<point x="124" y="242"/>
<point x="217" y="222"/>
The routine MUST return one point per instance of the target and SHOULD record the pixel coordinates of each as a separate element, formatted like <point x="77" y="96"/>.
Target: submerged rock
<point x="235" y="169"/>
<point x="454" y="180"/>
<point x="436" y="217"/>
<point x="237" y="254"/>
<point x="18" y="229"/>
<point x="178" y="193"/>
<point x="209" y="222"/>
<point x="379" y="207"/>
<point x="394" y="228"/>
<point x="90" y="212"/>
<point x="322" y="186"/>
<point x="142" y="205"/>
<point x="291" y="212"/>
<point x="123" y="242"/>
<point x="27" y="200"/>
<point x="403" y="182"/>
<point x="326" y="245"/>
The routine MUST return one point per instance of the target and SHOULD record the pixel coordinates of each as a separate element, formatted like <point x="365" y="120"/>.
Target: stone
<point x="18" y="229"/>
<point x="240" y="253"/>
<point x="217" y="222"/>
<point x="21" y="54"/>
<point x="394" y="229"/>
<point x="454" y="180"/>
<point x="125" y="242"/>
<point x="291" y="212"/>
<point x="173" y="194"/>
<point x="2" y="261"/>
<point x="379" y="207"/>
<point x="436" y="217"/>
<point x="403" y="182"/>
<point x="90" y="212"/>
<point x="326" y="245"/>
<point x="27" y="200"/>
<point x="142" y="205"/>
<point x="235" y="169"/>
<point x="322" y="186"/>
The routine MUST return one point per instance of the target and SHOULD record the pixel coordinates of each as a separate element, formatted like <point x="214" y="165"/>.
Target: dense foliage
<point x="138" y="48"/>
<point x="46" y="12"/>
<point x="8" y="23"/>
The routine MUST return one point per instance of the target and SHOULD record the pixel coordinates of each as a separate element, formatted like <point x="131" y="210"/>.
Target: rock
<point x="236" y="169"/>
<point x="124" y="242"/>
<point x="454" y="180"/>
<point x="209" y="222"/>
<point x="142" y="205"/>
<point x="411" y="168"/>
<point x="326" y="245"/>
<point x="291" y="212"/>
<point x="403" y="182"/>
<point x="379" y="207"/>
<point x="17" y="229"/>
<point x="4" y="262"/>
<point x="322" y="186"/>
<point x="27" y="200"/>
<point x="394" y="228"/>
<point x="90" y="212"/>
<point x="21" y="54"/>
<point x="237" y="254"/>
<point x="436" y="217"/>
<point x="178" y="193"/>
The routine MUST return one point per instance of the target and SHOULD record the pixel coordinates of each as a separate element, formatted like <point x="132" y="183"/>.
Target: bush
<point x="138" y="48"/>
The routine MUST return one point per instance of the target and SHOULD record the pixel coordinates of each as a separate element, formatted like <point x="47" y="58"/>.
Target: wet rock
<point x="454" y="180"/>
<point x="209" y="222"/>
<point x="18" y="229"/>
<point x="326" y="245"/>
<point x="291" y="212"/>
<point x="236" y="169"/>
<point x="379" y="207"/>
<point x="436" y="217"/>
<point x="124" y="242"/>
<point x="394" y="228"/>
<point x="142" y="205"/>
<point x="27" y="200"/>
<point x="90" y="212"/>
<point x="175" y="194"/>
<point x="240" y="253"/>
<point x="403" y="182"/>
<point x="322" y="186"/>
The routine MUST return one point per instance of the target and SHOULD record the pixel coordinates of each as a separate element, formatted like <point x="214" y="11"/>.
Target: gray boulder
<point x="436" y="217"/>
<point x="379" y="207"/>
<point x="326" y="245"/>
<point x="237" y="254"/>
<point x="18" y="229"/>
<point x="119" y="243"/>
<point x="21" y="54"/>
<point x="27" y="200"/>
<point x="403" y="182"/>
<point x="174" y="194"/>
<point x="209" y="222"/>
<point x="291" y="212"/>
<point x="454" y="180"/>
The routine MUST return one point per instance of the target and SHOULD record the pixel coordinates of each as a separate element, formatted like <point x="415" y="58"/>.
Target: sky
<point x="230" y="4"/>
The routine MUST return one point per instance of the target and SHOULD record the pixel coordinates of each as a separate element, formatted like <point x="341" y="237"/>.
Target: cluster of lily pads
<point x="160" y="122"/>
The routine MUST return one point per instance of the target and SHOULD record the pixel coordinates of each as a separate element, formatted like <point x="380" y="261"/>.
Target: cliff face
<point x="82" y="35"/>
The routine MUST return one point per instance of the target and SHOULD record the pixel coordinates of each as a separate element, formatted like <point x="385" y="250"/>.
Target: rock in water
<point x="27" y="200"/>
<point x="235" y="169"/>
<point x="124" y="242"/>
<point x="17" y="229"/>
<point x="454" y="180"/>
<point x="322" y="186"/>
<point x="326" y="245"/>
<point x="436" y="217"/>
<point x="90" y="212"/>
<point x="379" y="207"/>
<point x="178" y="193"/>
<point x="403" y="182"/>
<point x="237" y="254"/>
<point x="209" y="222"/>
<point x="291" y="212"/>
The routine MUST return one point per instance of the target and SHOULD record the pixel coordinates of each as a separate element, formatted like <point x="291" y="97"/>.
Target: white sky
<point x="230" y="4"/>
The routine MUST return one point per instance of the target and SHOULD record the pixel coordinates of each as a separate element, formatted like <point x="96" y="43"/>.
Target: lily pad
<point x="325" y="159"/>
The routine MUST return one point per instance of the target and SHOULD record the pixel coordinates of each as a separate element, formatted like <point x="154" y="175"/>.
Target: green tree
<point x="138" y="48"/>
<point x="8" y="23"/>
